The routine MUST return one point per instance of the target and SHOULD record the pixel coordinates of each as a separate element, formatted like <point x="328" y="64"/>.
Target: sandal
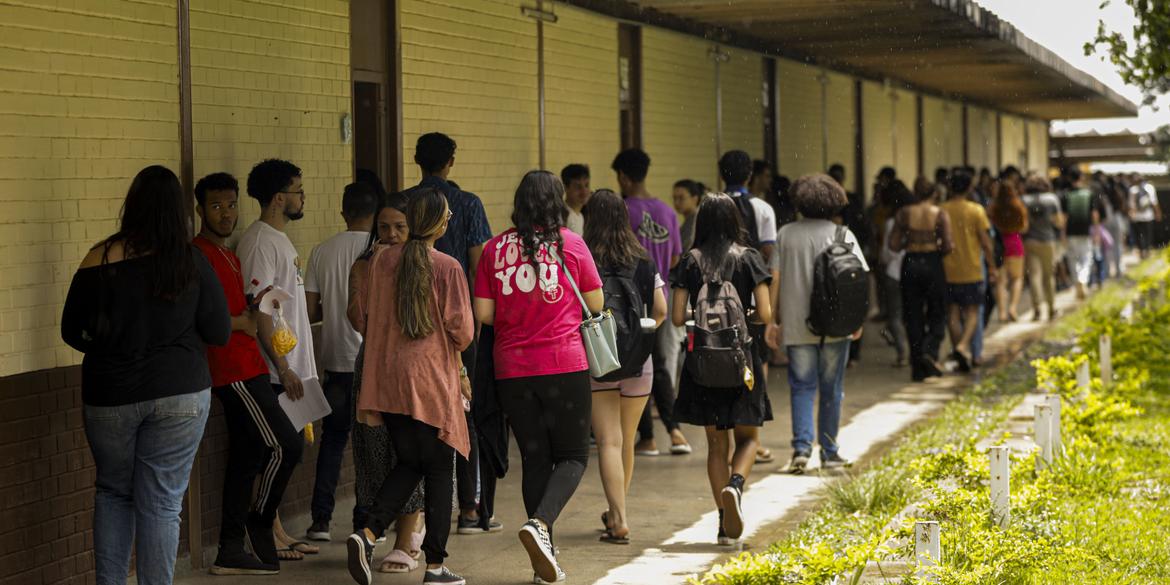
<point x="404" y="563"/>
<point x="764" y="455"/>
<point x="609" y="537"/>
<point x="304" y="548"/>
<point x="605" y="521"/>
<point x="288" y="554"/>
<point x="416" y="541"/>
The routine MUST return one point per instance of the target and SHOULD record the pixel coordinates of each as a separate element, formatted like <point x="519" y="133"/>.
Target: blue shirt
<point x="469" y="224"/>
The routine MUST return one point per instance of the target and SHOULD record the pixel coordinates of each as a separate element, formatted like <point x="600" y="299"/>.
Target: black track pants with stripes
<point x="262" y="445"/>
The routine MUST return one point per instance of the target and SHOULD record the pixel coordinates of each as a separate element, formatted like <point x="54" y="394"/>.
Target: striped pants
<point x="262" y="442"/>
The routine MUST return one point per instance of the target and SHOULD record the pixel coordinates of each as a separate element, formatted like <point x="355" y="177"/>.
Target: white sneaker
<point x="733" y="513"/>
<point x="537" y="542"/>
<point x="538" y="581"/>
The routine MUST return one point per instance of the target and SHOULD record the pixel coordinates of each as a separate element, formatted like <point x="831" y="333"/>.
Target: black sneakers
<point x="241" y="563"/>
<point x="537" y="541"/>
<point x="261" y="539"/>
<point x="442" y="576"/>
<point x="361" y="557"/>
<point x="722" y="539"/>
<point x="319" y="531"/>
<point x="799" y="462"/>
<point x="475" y="526"/>
<point x="834" y="461"/>
<point x="731" y="496"/>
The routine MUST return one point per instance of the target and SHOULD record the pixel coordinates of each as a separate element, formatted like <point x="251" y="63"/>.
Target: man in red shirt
<point x="262" y="441"/>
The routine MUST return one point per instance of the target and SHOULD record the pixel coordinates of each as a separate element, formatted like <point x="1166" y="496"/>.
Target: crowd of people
<point x="440" y="339"/>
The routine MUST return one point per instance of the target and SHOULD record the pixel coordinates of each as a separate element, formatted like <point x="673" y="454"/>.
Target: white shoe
<point x="537" y="542"/>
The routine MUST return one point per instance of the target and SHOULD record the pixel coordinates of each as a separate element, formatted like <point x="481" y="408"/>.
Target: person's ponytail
<point x="426" y="212"/>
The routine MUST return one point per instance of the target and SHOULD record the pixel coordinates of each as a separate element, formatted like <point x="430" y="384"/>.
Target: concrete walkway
<point x="672" y="515"/>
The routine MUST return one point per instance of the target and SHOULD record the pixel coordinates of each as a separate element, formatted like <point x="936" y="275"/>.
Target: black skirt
<point x="724" y="408"/>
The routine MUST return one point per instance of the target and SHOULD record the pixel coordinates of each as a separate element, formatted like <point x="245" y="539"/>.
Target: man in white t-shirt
<point x="1144" y="211"/>
<point x="327" y="295"/>
<point x="815" y="364"/>
<point x="576" y="180"/>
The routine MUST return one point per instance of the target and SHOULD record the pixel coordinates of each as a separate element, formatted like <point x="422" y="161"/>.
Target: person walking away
<point x="525" y="288"/>
<point x="1144" y="212"/>
<point x="894" y="331"/>
<point x="634" y="292"/>
<point x="435" y="155"/>
<point x="1045" y="222"/>
<point x="576" y="180"/>
<point x="1084" y="210"/>
<point x="1117" y="223"/>
<point x="923" y="231"/>
<point x="1010" y="218"/>
<point x="966" y="288"/>
<point x="816" y="361"/>
<point x="656" y="226"/>
<point x="327" y="297"/>
<point x="141" y="308"/>
<point x="268" y="259"/>
<point x="729" y="401"/>
<point x="419" y="320"/>
<point x="374" y="456"/>
<point x="853" y="217"/>
<point x="261" y="440"/>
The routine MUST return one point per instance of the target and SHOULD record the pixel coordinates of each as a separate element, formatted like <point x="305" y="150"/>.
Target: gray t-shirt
<point x="1042" y="210"/>
<point x="798" y="245"/>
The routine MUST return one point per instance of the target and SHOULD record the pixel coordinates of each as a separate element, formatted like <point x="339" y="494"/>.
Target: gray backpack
<point x="719" y="346"/>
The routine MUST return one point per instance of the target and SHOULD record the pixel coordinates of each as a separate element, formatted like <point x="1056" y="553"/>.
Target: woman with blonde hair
<point x="419" y="320"/>
<point x="1010" y="218"/>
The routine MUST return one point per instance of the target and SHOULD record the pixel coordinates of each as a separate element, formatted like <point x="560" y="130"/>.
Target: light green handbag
<point x="598" y="332"/>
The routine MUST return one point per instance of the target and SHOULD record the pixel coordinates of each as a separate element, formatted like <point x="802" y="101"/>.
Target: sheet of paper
<point x="313" y="406"/>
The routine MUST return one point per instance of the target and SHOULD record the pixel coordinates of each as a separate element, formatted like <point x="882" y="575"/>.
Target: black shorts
<point x="966" y="295"/>
<point x="1143" y="234"/>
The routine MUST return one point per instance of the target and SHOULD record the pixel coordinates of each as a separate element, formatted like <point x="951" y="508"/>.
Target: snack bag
<point x="283" y="338"/>
<point x="309" y="434"/>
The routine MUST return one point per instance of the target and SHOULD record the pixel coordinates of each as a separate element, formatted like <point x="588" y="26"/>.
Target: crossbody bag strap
<point x="569" y="277"/>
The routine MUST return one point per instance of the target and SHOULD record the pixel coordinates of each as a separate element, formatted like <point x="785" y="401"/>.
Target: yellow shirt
<point x="964" y="265"/>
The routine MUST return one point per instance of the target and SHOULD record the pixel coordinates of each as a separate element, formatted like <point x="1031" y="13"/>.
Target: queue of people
<point x="439" y="338"/>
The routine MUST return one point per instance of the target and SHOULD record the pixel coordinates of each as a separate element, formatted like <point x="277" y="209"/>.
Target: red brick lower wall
<point x="47" y="476"/>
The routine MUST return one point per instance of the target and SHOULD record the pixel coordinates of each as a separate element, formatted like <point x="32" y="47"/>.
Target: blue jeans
<point x="143" y="453"/>
<point x="811" y="368"/>
<point x="334" y="435"/>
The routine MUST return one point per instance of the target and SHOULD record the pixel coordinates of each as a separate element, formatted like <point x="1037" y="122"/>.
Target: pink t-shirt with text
<point x="537" y="315"/>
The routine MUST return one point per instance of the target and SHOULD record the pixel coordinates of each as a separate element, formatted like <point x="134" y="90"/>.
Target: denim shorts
<point x="966" y="295"/>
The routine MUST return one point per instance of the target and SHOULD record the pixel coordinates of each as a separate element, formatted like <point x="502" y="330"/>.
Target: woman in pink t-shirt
<point x="540" y="363"/>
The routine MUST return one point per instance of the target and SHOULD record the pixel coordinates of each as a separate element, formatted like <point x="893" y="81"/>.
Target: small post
<point x="1000" y="485"/>
<point x="1083" y="377"/>
<point x="1043" y="431"/>
<point x="927" y="549"/>
<point x="1105" y="352"/>
<point x="1127" y="313"/>
<point x="1054" y="431"/>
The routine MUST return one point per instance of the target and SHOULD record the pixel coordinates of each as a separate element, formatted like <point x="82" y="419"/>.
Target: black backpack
<point x="624" y="300"/>
<point x="719" y="343"/>
<point x="840" y="290"/>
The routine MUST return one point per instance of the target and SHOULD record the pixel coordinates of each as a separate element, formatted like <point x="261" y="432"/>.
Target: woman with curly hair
<point x="1010" y="218"/>
<point x="524" y="287"/>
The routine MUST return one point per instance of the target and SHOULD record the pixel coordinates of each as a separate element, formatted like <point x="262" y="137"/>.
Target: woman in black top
<point x="618" y="405"/>
<point x="141" y="308"/>
<point x="725" y="412"/>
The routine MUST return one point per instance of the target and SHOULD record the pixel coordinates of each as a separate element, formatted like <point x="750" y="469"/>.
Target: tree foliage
<point x="1146" y="64"/>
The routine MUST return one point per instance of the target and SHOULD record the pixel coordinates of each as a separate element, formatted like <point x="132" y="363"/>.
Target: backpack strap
<point x="840" y="235"/>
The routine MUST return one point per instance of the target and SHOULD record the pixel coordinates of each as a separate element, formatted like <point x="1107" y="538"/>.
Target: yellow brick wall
<point x="800" y="131"/>
<point x="88" y="97"/>
<point x="469" y="71"/>
<point x="906" y="136"/>
<point x="742" y="83"/>
<point x="678" y="110"/>
<point x="581" y="94"/>
<point x="841" y="111"/>
<point x="878" y="136"/>
<point x="981" y="143"/>
<point x="942" y="134"/>
<point x="1037" y="146"/>
<point x="1012" y="142"/>
<point x="268" y="82"/>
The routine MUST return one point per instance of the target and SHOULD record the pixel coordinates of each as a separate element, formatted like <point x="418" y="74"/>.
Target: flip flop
<point x="416" y="541"/>
<point x="397" y="557"/>
<point x="304" y="547"/>
<point x="288" y="554"/>
<point x="609" y="537"/>
<point x="605" y="521"/>
<point x="764" y="456"/>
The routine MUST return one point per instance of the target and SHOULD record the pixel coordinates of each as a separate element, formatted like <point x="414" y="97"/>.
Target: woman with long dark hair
<point x="524" y="286"/>
<point x="1010" y="218"/>
<point x="618" y="405"/>
<point x="142" y="307"/>
<point x="418" y="320"/>
<point x="923" y="230"/>
<point x="725" y="413"/>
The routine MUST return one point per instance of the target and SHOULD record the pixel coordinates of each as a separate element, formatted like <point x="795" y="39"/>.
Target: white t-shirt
<point x="267" y="257"/>
<point x="765" y="221"/>
<point x="799" y="243"/>
<point x="1143" y="198"/>
<point x="576" y="222"/>
<point x="328" y="275"/>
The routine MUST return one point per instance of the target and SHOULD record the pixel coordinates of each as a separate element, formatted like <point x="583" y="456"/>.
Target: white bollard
<point x="1105" y="351"/>
<point x="1127" y="313"/>
<point x="927" y="548"/>
<point x="1054" y="431"/>
<point x="1000" y="485"/>
<point x="1083" y="377"/>
<point x="1043" y="431"/>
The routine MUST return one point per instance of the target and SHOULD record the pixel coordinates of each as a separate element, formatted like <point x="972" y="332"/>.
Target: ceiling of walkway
<point x="947" y="47"/>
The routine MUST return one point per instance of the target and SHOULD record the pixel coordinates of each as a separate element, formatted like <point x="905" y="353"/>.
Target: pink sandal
<point x="398" y="557"/>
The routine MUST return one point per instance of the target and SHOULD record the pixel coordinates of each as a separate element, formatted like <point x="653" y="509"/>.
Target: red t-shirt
<point x="240" y="359"/>
<point x="537" y="315"/>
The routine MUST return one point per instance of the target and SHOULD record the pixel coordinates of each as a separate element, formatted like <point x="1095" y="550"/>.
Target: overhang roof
<point x="1092" y="148"/>
<point x="947" y="47"/>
